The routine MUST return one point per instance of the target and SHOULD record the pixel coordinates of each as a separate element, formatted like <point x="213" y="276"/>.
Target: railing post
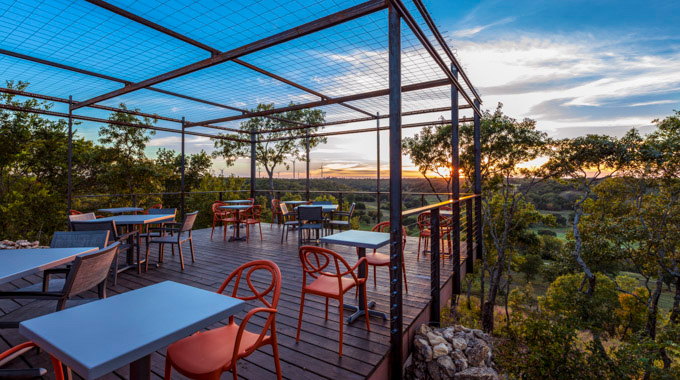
<point x="422" y="200"/>
<point x="469" y="237"/>
<point x="307" y="159"/>
<point x="435" y="309"/>
<point x="340" y="201"/>
<point x="377" y="149"/>
<point x="396" y="316"/>
<point x="69" y="191"/>
<point x="221" y="196"/>
<point x="455" y="186"/>
<point x="134" y="200"/>
<point x="253" y="163"/>
<point x="182" y="173"/>
<point x="478" y="183"/>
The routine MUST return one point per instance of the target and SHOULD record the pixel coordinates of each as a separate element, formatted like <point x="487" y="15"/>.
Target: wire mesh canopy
<point x="213" y="62"/>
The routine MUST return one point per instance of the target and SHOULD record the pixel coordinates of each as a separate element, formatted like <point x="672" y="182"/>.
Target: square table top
<point x="120" y="210"/>
<point x="98" y="337"/>
<point x="236" y="207"/>
<point x="237" y="201"/>
<point x="294" y="202"/>
<point x="18" y="263"/>
<point x="137" y="219"/>
<point x="324" y="208"/>
<point x="360" y="239"/>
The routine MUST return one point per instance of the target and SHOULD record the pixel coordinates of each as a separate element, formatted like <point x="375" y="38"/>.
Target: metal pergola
<point x="426" y="63"/>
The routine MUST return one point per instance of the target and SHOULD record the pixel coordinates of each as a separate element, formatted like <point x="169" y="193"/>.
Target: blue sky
<point x="574" y="66"/>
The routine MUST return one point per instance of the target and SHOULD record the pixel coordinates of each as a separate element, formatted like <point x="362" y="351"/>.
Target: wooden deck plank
<point x="315" y="356"/>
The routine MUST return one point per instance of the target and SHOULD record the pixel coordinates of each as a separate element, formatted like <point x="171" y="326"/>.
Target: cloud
<point x="469" y="32"/>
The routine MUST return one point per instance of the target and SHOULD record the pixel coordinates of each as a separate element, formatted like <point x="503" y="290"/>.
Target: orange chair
<point x="74" y="212"/>
<point x="252" y="216"/>
<point x="157" y="205"/>
<point x="206" y="355"/>
<point x="376" y="259"/>
<point x="276" y="212"/>
<point x="323" y="266"/>
<point x="31" y="373"/>
<point x="221" y="216"/>
<point x="423" y="230"/>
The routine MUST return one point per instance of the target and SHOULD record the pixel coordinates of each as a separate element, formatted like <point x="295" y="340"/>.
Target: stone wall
<point x="452" y="353"/>
<point x="20" y="244"/>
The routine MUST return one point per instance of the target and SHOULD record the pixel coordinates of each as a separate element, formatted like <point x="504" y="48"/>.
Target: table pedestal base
<point x="140" y="369"/>
<point x="237" y="238"/>
<point x="358" y="312"/>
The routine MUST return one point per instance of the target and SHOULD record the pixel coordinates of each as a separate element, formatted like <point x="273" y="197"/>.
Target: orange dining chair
<point x="376" y="259"/>
<point x="253" y="217"/>
<point x="74" y="212"/>
<point x="276" y="212"/>
<point x="323" y="267"/>
<point x="446" y="228"/>
<point x="220" y="216"/>
<point x="423" y="230"/>
<point x="206" y="355"/>
<point x="28" y="373"/>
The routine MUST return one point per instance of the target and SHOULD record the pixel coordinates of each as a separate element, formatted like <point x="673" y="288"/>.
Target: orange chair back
<point x="216" y="208"/>
<point x="424" y="220"/>
<point x="276" y="206"/>
<point x="385" y="227"/>
<point x="256" y="211"/>
<point x="74" y="212"/>
<point x="317" y="261"/>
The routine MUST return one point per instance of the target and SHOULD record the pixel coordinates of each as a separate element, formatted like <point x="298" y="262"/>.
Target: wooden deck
<point x="365" y="354"/>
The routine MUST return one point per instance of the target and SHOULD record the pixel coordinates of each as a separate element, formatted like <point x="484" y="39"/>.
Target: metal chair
<point x="289" y="221"/>
<point x="80" y="217"/>
<point x="88" y="271"/>
<point x="177" y="236"/>
<point x="310" y="219"/>
<point x="206" y="355"/>
<point x="26" y="373"/>
<point x="340" y="224"/>
<point x="327" y="270"/>
<point x="128" y="241"/>
<point x="156" y="230"/>
<point x="252" y="217"/>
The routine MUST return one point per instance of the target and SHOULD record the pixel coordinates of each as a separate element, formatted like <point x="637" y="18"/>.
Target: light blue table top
<point x="294" y="202"/>
<point x="120" y="210"/>
<point x="360" y="239"/>
<point x="235" y="207"/>
<point x="238" y="201"/>
<point x="96" y="338"/>
<point x="137" y="219"/>
<point x="324" y="208"/>
<point x="18" y="263"/>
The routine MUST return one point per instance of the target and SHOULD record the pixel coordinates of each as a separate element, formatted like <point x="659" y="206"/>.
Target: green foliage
<point x="530" y="265"/>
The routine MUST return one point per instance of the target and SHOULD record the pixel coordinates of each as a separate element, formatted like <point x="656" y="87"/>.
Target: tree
<point x="430" y="151"/>
<point x="270" y="154"/>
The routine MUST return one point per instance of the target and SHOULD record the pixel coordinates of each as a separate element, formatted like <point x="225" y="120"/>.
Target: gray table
<point x="361" y="240"/>
<point x="130" y="221"/>
<point x="295" y="203"/>
<point x="18" y="263"/>
<point x="99" y="337"/>
<point x="120" y="210"/>
<point x="238" y="209"/>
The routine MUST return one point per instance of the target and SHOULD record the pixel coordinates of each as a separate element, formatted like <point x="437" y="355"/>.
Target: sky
<point x="575" y="67"/>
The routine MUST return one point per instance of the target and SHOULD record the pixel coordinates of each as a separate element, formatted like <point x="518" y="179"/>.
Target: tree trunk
<point x="490" y="303"/>
<point x="675" y="311"/>
<point x="653" y="310"/>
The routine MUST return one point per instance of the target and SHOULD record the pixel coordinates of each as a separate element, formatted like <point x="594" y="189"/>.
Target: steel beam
<point x="377" y="149"/>
<point x="345" y="15"/>
<point x="253" y="162"/>
<point x="105" y="121"/>
<point x="182" y="201"/>
<point x="455" y="186"/>
<point x="413" y="25"/>
<point x="395" y="89"/>
<point x="295" y="107"/>
<point x="307" y="161"/>
<point x="70" y="161"/>
<point x="478" y="185"/>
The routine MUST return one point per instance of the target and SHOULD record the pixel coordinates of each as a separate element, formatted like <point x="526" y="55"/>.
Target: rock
<point x="435" y="339"/>
<point x="459" y="359"/>
<point x="447" y="366"/>
<point x="440" y="350"/>
<point x="477" y="354"/>
<point x="477" y="373"/>
<point x="458" y="343"/>
<point x="424" y="329"/>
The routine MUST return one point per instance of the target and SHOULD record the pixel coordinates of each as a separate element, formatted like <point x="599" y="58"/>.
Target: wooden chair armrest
<point x="127" y="235"/>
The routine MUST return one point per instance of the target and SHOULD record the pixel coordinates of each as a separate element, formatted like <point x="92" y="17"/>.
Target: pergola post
<point x="253" y="163"/>
<point x="377" y="149"/>
<point x="396" y="322"/>
<point x="182" y="173"/>
<point x="307" y="159"/>
<point x="478" y="184"/>
<point x="455" y="186"/>
<point x="69" y="190"/>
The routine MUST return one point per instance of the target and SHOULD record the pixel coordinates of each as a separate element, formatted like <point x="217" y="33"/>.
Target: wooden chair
<point x="289" y="221"/>
<point x="376" y="259"/>
<point x="341" y="224"/>
<point x="276" y="212"/>
<point x="177" y="236"/>
<point x="80" y="217"/>
<point x="424" y="232"/>
<point x="252" y="217"/>
<point x="73" y="239"/>
<point x="27" y="373"/>
<point x="88" y="271"/>
<point x="156" y="206"/>
<point x="206" y="355"/>
<point x="327" y="270"/>
<point x="128" y="241"/>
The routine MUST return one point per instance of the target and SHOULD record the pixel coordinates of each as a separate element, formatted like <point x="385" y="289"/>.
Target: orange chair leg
<point x="213" y="229"/>
<point x="260" y="225"/>
<point x="326" y="308"/>
<point x="342" y="323"/>
<point x="375" y="276"/>
<point x="275" y="348"/>
<point x="302" y="305"/>
<point x="58" y="369"/>
<point x="168" y="368"/>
